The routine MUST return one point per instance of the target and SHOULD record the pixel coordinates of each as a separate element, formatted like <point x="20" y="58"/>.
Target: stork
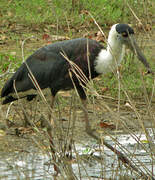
<point x="51" y="66"/>
<point x="51" y="69"/>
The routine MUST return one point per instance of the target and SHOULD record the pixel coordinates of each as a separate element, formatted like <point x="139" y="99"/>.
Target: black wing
<point x="50" y="68"/>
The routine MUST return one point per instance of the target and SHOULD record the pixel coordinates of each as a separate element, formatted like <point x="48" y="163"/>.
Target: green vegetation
<point x="46" y="12"/>
<point x="7" y="59"/>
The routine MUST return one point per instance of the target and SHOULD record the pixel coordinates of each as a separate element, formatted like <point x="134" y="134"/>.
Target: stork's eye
<point x="125" y="34"/>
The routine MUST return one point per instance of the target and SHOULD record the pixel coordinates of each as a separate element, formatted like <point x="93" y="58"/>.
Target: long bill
<point x="135" y="48"/>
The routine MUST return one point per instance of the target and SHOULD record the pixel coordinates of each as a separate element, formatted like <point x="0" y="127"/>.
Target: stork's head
<point x="125" y="34"/>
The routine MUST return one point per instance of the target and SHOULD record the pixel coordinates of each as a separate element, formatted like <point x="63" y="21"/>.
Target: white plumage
<point x="110" y="58"/>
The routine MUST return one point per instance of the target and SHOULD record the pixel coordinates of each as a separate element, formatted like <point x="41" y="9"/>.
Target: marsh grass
<point x="69" y="131"/>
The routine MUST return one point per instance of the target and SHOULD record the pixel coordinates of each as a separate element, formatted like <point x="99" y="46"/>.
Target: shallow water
<point x="98" y="162"/>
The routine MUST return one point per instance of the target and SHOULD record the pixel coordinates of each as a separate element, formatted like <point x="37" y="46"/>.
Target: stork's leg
<point x="84" y="107"/>
<point x="88" y="128"/>
<point x="50" y="121"/>
<point x="52" y="101"/>
<point x="49" y="124"/>
<point x="51" y="105"/>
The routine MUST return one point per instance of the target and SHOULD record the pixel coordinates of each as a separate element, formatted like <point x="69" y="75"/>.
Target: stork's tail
<point x="9" y="99"/>
<point x="8" y="88"/>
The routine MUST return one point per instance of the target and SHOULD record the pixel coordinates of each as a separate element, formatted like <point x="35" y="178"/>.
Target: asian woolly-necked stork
<point x="51" y="69"/>
<point x="51" y="66"/>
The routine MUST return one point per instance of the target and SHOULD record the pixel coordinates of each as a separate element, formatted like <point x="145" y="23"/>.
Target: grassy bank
<point x="53" y="14"/>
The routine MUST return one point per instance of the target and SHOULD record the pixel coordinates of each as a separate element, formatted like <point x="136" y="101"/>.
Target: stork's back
<point x="50" y="68"/>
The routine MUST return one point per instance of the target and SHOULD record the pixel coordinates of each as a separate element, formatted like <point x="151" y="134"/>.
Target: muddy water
<point x="111" y="168"/>
<point x="31" y="163"/>
<point x="28" y="157"/>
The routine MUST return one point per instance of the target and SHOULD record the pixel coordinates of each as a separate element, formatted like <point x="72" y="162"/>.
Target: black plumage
<point x="124" y="28"/>
<point x="51" y="69"/>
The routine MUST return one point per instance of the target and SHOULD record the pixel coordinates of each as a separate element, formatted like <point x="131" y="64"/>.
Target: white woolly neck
<point x="110" y="58"/>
